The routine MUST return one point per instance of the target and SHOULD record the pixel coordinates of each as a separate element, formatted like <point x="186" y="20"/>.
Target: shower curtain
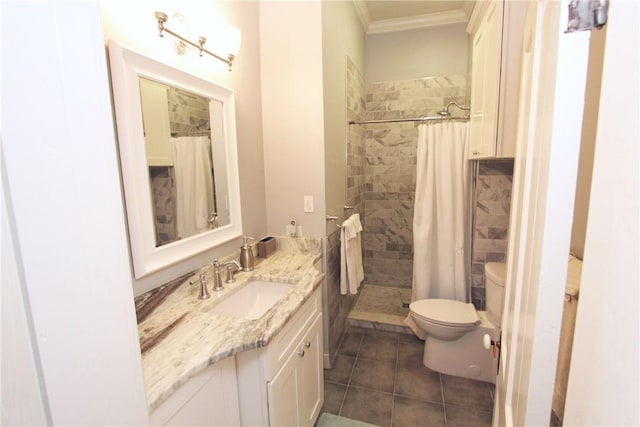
<point x="440" y="218"/>
<point x="194" y="184"/>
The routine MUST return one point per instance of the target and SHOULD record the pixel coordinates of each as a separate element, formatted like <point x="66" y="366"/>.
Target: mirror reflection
<point x="181" y="130"/>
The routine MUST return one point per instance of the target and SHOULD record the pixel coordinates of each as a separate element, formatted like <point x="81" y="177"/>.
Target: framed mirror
<point x="178" y="158"/>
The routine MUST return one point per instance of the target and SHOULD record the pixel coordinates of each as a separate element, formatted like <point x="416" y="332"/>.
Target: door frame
<point x="549" y="136"/>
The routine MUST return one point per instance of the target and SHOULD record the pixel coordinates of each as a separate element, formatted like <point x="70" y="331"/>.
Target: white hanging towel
<point x="351" y="270"/>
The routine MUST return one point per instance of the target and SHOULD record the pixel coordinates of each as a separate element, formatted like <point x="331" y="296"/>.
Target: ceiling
<point x="396" y="15"/>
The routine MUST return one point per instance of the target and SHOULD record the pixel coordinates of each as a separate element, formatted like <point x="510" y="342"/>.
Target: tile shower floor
<point x="378" y="377"/>
<point x="381" y="307"/>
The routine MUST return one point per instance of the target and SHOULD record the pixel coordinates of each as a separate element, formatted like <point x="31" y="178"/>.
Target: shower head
<point x="445" y="110"/>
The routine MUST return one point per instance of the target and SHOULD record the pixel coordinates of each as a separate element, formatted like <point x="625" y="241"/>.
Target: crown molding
<point x="414" y="22"/>
<point x="363" y="14"/>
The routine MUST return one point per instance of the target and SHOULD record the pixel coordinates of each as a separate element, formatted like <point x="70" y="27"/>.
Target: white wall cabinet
<point x="496" y="28"/>
<point x="210" y="398"/>
<point x="155" y="118"/>
<point x="283" y="384"/>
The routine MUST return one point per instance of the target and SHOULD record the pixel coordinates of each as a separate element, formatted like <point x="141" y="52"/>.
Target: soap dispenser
<point x="246" y="254"/>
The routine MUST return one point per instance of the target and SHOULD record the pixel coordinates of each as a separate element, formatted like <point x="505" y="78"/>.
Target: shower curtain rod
<point x="193" y="133"/>
<point x="414" y="119"/>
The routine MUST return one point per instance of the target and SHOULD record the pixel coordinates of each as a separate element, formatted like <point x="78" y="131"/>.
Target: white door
<point x="549" y="128"/>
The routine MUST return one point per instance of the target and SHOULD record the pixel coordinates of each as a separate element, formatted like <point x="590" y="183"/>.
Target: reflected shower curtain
<point x="441" y="212"/>
<point x="194" y="184"/>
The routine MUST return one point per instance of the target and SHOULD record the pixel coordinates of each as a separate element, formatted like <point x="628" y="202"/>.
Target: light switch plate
<point x="308" y="203"/>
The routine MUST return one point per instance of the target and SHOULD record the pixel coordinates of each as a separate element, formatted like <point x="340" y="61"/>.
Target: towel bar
<point x="333" y="218"/>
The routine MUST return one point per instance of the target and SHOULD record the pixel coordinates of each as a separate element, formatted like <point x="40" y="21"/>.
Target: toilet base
<point x="465" y="357"/>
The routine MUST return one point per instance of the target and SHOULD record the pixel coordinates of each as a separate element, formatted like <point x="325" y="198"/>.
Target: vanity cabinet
<point x="209" y="398"/>
<point x="283" y="384"/>
<point x="496" y="28"/>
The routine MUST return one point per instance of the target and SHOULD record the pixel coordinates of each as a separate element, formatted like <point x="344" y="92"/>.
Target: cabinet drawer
<point x="283" y="344"/>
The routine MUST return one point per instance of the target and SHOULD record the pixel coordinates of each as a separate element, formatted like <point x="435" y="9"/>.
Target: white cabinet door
<point x="514" y="16"/>
<point x="296" y="393"/>
<point x="312" y="387"/>
<point x="492" y="52"/>
<point x="476" y="147"/>
<point x="284" y="398"/>
<point x="485" y="83"/>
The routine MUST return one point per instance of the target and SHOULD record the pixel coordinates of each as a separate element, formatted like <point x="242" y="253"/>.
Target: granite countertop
<point x="179" y="337"/>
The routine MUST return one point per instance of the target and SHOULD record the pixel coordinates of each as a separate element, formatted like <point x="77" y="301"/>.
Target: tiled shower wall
<point x="381" y="165"/>
<point x="391" y="170"/>
<point x="340" y="305"/>
<point x="490" y="222"/>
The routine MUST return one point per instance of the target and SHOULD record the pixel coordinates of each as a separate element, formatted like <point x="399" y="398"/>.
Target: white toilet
<point x="455" y="331"/>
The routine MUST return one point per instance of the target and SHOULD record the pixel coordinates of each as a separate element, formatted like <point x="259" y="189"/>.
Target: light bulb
<point x="232" y="40"/>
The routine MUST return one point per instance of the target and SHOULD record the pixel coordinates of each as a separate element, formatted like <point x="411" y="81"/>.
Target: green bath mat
<point x="330" y="420"/>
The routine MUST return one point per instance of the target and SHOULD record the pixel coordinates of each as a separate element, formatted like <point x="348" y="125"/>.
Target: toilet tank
<point x="494" y="273"/>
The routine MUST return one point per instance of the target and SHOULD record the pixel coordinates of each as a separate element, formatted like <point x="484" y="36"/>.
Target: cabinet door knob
<point x="307" y="344"/>
<point x="301" y="353"/>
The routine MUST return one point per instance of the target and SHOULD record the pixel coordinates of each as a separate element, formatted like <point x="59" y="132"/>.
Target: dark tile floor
<point x="378" y="377"/>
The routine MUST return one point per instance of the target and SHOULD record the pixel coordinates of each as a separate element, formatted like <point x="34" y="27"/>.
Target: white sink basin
<point x="252" y="300"/>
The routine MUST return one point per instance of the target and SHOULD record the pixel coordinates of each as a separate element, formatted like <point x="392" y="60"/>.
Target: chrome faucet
<point x="217" y="265"/>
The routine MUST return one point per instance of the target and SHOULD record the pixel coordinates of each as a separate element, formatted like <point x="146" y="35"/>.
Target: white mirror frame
<point x="126" y="67"/>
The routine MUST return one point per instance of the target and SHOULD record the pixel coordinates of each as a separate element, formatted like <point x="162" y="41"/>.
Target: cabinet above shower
<point x="496" y="29"/>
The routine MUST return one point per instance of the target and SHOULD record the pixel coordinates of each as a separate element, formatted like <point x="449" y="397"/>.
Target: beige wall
<point x="433" y="51"/>
<point x="132" y="24"/>
<point x="587" y="147"/>
<point x="343" y="37"/>
<point x="343" y="43"/>
<point x="292" y="114"/>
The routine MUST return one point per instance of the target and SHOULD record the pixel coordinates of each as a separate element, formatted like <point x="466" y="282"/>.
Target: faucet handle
<point x="230" y="265"/>
<point x="204" y="293"/>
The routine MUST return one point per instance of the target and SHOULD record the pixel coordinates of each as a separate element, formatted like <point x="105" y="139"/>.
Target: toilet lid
<point x="446" y="312"/>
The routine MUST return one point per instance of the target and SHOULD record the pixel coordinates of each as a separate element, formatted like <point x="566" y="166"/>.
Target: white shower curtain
<point x="440" y="218"/>
<point x="194" y="184"/>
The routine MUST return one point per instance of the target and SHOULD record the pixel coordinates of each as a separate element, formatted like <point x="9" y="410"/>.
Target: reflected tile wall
<point x="164" y="208"/>
<point x="491" y="221"/>
<point x="390" y="170"/>
<point x="187" y="112"/>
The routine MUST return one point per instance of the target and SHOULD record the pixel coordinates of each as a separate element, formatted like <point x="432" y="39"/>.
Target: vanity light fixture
<point x="232" y="37"/>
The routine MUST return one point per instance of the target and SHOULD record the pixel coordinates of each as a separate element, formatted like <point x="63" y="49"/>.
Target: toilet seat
<point x="445" y="312"/>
